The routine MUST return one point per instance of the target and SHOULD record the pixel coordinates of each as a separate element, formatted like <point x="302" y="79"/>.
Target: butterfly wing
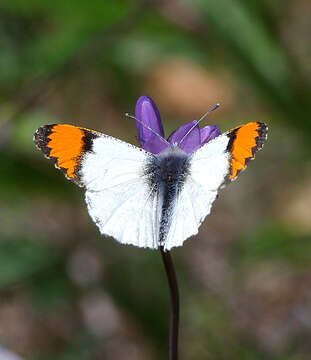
<point x="213" y="165"/>
<point x="118" y="196"/>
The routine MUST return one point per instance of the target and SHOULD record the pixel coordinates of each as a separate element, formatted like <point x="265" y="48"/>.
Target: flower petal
<point x="192" y="140"/>
<point x="147" y="112"/>
<point x="154" y="145"/>
<point x="208" y="133"/>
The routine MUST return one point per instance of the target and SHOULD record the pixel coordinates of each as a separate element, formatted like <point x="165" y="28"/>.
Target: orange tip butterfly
<point x="157" y="195"/>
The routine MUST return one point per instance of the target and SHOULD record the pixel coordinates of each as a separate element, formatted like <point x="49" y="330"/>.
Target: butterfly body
<point x="144" y="199"/>
<point x="166" y="174"/>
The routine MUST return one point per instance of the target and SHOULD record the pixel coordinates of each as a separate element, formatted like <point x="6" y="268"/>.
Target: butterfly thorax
<point x="168" y="168"/>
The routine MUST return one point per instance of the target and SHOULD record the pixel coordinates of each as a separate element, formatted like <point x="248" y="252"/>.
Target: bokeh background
<point x="245" y="280"/>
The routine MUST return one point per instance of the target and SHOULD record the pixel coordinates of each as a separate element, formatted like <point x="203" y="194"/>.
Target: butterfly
<point x="150" y="198"/>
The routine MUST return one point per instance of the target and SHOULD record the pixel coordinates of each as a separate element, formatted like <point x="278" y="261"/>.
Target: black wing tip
<point x="41" y="138"/>
<point x="44" y="130"/>
<point x="260" y="139"/>
<point x="262" y="135"/>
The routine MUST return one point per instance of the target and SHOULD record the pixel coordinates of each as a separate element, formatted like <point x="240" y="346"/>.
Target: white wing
<point x="209" y="166"/>
<point x="118" y="196"/>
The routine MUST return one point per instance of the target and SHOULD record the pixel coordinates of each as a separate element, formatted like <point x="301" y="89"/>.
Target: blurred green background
<point x="245" y="280"/>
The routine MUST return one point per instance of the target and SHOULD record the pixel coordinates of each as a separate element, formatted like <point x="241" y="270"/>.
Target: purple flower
<point x="147" y="112"/>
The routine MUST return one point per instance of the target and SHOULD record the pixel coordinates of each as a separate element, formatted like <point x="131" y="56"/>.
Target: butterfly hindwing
<point x="192" y="205"/>
<point x="127" y="213"/>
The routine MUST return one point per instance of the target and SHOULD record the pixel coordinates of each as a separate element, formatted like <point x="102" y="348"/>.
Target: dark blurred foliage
<point x="68" y="293"/>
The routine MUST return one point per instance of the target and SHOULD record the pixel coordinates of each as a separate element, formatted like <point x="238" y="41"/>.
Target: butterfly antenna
<point x="201" y="118"/>
<point x="147" y="127"/>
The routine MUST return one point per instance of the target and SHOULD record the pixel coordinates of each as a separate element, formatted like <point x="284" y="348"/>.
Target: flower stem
<point x="174" y="319"/>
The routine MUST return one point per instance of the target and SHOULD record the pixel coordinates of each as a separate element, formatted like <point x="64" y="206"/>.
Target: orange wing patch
<point x="244" y="142"/>
<point x="64" y="144"/>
